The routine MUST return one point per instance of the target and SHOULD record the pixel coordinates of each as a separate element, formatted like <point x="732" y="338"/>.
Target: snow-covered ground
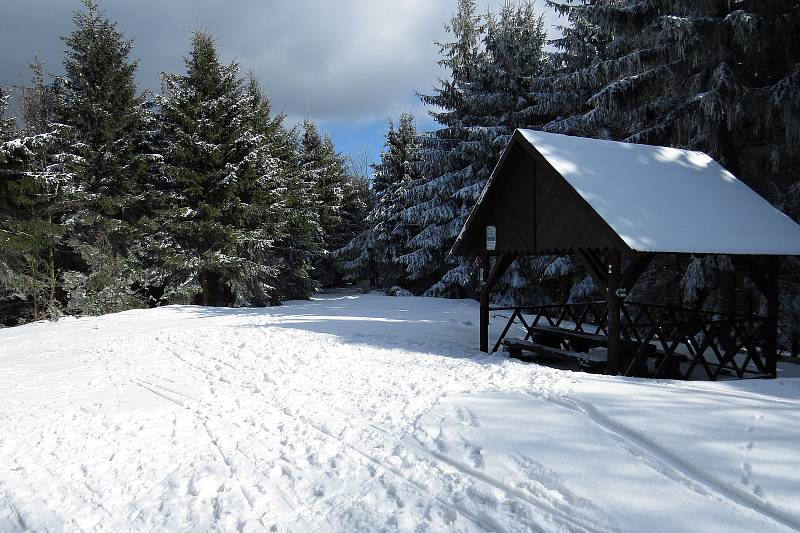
<point x="367" y="413"/>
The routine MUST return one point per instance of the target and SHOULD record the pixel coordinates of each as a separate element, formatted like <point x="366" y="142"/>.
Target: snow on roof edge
<point x="652" y="183"/>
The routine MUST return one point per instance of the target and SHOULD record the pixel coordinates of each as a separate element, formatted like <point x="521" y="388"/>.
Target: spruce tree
<point x="98" y="100"/>
<point x="720" y="77"/>
<point x="397" y="170"/>
<point x="358" y="203"/>
<point x="6" y="122"/>
<point x="372" y="256"/>
<point x="449" y="165"/>
<point x="9" y="172"/>
<point x="202" y="121"/>
<point x="326" y="171"/>
<point x="514" y="43"/>
<point x="491" y="61"/>
<point x="232" y="225"/>
<point x="33" y="205"/>
<point x="7" y="133"/>
<point x="711" y="76"/>
<point x="301" y="246"/>
<point x="259" y="206"/>
<point x="103" y="150"/>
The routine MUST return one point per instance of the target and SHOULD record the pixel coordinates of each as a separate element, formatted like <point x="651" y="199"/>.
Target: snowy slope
<point x="369" y="413"/>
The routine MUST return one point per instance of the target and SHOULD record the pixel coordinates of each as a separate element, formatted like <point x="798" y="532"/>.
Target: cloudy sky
<point x="348" y="64"/>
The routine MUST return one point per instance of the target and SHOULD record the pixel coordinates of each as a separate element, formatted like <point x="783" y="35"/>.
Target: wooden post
<point x="771" y="294"/>
<point x="488" y="281"/>
<point x="614" y="345"/>
<point x="637" y="266"/>
<point x="767" y="283"/>
<point x="485" y="303"/>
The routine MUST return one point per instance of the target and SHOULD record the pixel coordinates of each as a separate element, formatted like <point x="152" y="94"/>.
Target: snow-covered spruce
<point x="373" y="255"/>
<point x="718" y="78"/>
<point x="490" y="62"/>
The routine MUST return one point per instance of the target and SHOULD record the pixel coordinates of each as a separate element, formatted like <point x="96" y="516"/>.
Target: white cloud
<point x="347" y="61"/>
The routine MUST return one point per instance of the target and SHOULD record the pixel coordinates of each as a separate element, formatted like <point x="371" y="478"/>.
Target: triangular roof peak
<point x="654" y="198"/>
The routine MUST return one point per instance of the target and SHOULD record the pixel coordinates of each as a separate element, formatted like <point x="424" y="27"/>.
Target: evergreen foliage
<point x="34" y="198"/>
<point x="373" y="255"/>
<point x="6" y="123"/>
<point x="102" y="151"/>
<point x="451" y="168"/>
<point x="261" y="200"/>
<point x="9" y="174"/>
<point x="219" y="214"/>
<point x="720" y="77"/>
<point x="359" y="203"/>
<point x="107" y="204"/>
<point x="341" y="199"/>
<point x="323" y="173"/>
<point x="491" y="60"/>
<point x="300" y="247"/>
<point x="111" y="198"/>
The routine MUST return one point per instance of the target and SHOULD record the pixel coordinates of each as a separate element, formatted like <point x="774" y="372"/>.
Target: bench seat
<point x="515" y="347"/>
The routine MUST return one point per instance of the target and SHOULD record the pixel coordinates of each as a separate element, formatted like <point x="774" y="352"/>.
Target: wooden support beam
<point x="490" y="279"/>
<point x="484" y="322"/>
<point x="766" y="281"/>
<point x="614" y="345"/>
<point x="771" y="294"/>
<point x="499" y="268"/>
<point x="594" y="266"/>
<point x="635" y="269"/>
<point x="753" y="270"/>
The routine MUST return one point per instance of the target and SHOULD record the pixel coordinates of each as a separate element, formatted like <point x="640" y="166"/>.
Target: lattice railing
<point x="660" y="340"/>
<point x="690" y="339"/>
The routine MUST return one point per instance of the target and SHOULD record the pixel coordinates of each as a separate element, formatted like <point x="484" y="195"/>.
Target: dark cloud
<point x="338" y="62"/>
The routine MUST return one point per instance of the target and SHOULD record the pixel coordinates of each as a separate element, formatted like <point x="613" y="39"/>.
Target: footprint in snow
<point x="476" y="455"/>
<point x="441" y="445"/>
<point x="747" y="470"/>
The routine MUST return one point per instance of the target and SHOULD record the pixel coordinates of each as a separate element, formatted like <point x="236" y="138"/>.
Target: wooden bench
<point x="581" y="341"/>
<point x="576" y="345"/>
<point x="586" y="360"/>
<point x="600" y="340"/>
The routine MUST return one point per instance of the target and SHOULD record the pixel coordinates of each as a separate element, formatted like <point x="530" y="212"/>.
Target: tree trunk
<point x="214" y="291"/>
<point x="206" y="296"/>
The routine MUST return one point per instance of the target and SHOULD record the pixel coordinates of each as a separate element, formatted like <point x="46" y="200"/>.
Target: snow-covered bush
<point x="106" y="286"/>
<point x="398" y="291"/>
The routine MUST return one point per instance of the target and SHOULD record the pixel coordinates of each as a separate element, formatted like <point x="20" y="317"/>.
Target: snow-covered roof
<point x="660" y="199"/>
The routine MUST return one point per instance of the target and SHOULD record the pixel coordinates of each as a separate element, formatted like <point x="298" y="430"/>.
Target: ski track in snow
<point x="676" y="468"/>
<point x="342" y="414"/>
<point x="542" y="504"/>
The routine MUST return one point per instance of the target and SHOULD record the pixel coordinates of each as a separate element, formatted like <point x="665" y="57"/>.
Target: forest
<point x="113" y="198"/>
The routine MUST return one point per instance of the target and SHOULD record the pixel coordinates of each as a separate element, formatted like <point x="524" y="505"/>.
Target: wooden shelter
<point x="615" y="206"/>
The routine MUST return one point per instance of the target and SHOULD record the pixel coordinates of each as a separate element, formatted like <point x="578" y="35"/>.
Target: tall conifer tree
<point x="373" y="254"/>
<point x="9" y="172"/>
<point x="235" y="223"/>
<point x="202" y="120"/>
<point x="301" y="247"/>
<point x="260" y="207"/>
<point x="103" y="151"/>
<point x="6" y="123"/>
<point x="721" y="77"/>
<point x="326" y="170"/>
<point x="491" y="60"/>
<point x="449" y="165"/>
<point x="34" y="203"/>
